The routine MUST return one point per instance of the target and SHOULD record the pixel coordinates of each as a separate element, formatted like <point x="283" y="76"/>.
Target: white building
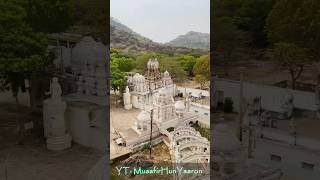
<point x="87" y="107"/>
<point x="280" y="126"/>
<point x="142" y="87"/>
<point x="170" y="120"/>
<point x="202" y="110"/>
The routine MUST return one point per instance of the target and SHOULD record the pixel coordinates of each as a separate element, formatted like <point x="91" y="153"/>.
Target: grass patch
<point x="205" y="132"/>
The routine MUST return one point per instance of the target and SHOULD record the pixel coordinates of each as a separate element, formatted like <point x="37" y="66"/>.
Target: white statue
<point x="127" y="99"/>
<point x="54" y="122"/>
<point x="55" y="89"/>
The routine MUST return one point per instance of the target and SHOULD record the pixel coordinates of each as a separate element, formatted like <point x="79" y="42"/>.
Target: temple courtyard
<point x="123" y="119"/>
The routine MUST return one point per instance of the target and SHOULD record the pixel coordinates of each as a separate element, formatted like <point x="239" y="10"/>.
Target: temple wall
<point x="192" y="91"/>
<point x="7" y="98"/>
<point x="201" y="110"/>
<point x="90" y="133"/>
<point x="272" y="97"/>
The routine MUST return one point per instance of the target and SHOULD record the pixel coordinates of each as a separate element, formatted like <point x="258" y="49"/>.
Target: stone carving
<point x="55" y="90"/>
<point x="167" y="79"/>
<point x="127" y="99"/>
<point x="188" y="146"/>
<point x="54" y="122"/>
<point x="144" y="87"/>
<point x="90" y="62"/>
<point x="142" y="125"/>
<point x="164" y="109"/>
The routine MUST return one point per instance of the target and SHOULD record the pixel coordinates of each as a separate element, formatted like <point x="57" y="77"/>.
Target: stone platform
<point x="57" y="143"/>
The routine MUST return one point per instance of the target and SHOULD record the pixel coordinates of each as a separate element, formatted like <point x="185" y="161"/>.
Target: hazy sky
<point x="163" y="20"/>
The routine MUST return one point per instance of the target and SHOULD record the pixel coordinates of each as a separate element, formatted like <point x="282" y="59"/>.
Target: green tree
<point x="201" y="70"/>
<point x="117" y="77"/>
<point x="226" y="8"/>
<point x="296" y="21"/>
<point x="124" y="62"/>
<point x="291" y="57"/>
<point x="251" y="17"/>
<point x="114" y="51"/>
<point x="23" y="53"/>
<point x="90" y="17"/>
<point x="201" y="80"/>
<point x="187" y="62"/>
<point x="228" y="39"/>
<point x="119" y="64"/>
<point x="202" y="66"/>
<point x="171" y="65"/>
<point x="49" y="15"/>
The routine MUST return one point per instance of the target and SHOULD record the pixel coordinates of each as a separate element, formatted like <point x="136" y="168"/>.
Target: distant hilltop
<point x="125" y="39"/>
<point x="192" y="39"/>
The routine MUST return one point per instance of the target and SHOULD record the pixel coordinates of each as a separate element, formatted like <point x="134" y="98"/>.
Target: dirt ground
<point x="160" y="154"/>
<point x="123" y="119"/>
<point x="160" y="157"/>
<point x="28" y="159"/>
<point x="37" y="163"/>
<point x="264" y="72"/>
<point x="190" y="83"/>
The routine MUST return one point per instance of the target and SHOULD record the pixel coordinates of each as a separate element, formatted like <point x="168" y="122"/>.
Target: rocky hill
<point x="126" y="40"/>
<point x="195" y="40"/>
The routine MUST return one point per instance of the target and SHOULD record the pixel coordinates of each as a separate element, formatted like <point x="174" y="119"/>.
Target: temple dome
<point x="179" y="105"/>
<point x="224" y="139"/>
<point x="141" y="78"/>
<point x="163" y="97"/>
<point x="166" y="74"/>
<point x="88" y="51"/>
<point x="153" y="64"/>
<point x="144" y="116"/>
<point x="129" y="80"/>
<point x="135" y="78"/>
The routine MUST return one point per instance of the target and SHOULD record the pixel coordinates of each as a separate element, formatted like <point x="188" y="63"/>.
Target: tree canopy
<point x="187" y="62"/>
<point x="291" y="57"/>
<point x="23" y="53"/>
<point x="119" y="65"/>
<point x="251" y="17"/>
<point x="49" y="15"/>
<point x="91" y="16"/>
<point x="202" y="66"/>
<point x="295" y="21"/>
<point x="201" y="70"/>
